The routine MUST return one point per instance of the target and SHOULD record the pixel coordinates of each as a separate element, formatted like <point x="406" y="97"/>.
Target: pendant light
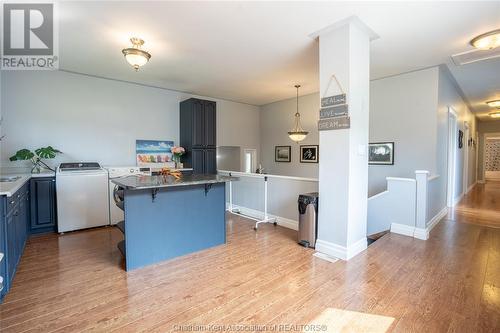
<point x="487" y="41"/>
<point x="134" y="55"/>
<point x="297" y="134"/>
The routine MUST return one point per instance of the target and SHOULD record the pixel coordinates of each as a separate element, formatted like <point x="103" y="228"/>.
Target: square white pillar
<point x="344" y="51"/>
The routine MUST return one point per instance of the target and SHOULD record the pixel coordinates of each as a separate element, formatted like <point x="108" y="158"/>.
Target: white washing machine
<point x="82" y="196"/>
<point x="116" y="214"/>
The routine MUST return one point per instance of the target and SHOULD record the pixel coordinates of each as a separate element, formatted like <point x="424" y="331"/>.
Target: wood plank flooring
<point x="450" y="283"/>
<point x="480" y="206"/>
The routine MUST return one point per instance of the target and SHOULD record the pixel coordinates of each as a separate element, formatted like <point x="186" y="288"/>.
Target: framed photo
<point x="153" y="152"/>
<point x="282" y="153"/>
<point x="381" y="153"/>
<point x="309" y="154"/>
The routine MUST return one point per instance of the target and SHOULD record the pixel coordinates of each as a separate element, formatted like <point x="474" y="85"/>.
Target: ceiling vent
<point x="474" y="56"/>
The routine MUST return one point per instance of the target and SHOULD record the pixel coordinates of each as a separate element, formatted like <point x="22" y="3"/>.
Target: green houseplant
<point x="36" y="157"/>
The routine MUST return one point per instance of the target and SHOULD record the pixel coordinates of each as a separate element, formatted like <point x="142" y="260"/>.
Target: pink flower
<point x="177" y="150"/>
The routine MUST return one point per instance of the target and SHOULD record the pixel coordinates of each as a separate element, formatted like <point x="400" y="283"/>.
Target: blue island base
<point x="164" y="223"/>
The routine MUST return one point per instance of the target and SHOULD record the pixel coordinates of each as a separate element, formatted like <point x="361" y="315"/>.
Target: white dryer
<point x="115" y="213"/>
<point x="82" y="196"/>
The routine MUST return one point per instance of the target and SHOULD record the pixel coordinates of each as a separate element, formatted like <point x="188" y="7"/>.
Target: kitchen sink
<point x="9" y="179"/>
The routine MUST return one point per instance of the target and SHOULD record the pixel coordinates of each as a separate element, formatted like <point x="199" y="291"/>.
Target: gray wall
<point x="403" y="110"/>
<point x="483" y="128"/>
<point x="409" y="109"/>
<point x="449" y="95"/>
<point x="95" y="119"/>
<point x="276" y="119"/>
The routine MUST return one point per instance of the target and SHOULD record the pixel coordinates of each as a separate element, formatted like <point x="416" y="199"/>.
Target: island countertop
<point x="147" y="182"/>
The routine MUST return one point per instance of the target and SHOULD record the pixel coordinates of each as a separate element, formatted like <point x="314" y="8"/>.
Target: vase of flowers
<point x="177" y="152"/>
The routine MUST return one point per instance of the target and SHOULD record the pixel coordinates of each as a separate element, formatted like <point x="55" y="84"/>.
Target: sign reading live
<point x="334" y="113"/>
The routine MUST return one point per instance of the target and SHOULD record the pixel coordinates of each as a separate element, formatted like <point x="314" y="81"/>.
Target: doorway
<point x="452" y="156"/>
<point x="250" y="160"/>
<point x="465" y="185"/>
<point x="491" y="157"/>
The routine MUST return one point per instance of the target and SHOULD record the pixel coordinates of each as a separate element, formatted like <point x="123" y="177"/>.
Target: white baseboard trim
<point x="282" y="221"/>
<point x="457" y="199"/>
<point x="402" y="229"/>
<point x="471" y="187"/>
<point x="422" y="233"/>
<point x="341" y="252"/>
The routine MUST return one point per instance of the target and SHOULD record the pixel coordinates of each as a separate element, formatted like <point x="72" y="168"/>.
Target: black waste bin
<point x="308" y="219"/>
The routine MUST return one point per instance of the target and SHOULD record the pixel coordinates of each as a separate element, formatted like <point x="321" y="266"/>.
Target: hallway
<point x="480" y="206"/>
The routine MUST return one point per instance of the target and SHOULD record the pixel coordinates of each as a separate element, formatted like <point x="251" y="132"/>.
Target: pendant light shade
<point x="134" y="55"/>
<point x="297" y="134"/>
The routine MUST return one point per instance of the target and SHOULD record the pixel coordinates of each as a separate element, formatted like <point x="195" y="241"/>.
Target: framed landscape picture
<point x="309" y="154"/>
<point x="282" y="153"/>
<point x="381" y="153"/>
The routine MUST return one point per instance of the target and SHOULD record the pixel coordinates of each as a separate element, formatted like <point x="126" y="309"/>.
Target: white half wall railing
<point x="267" y="198"/>
<point x="393" y="209"/>
<point x="410" y="207"/>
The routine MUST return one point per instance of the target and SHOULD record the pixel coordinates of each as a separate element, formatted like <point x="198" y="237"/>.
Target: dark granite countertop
<point x="145" y="182"/>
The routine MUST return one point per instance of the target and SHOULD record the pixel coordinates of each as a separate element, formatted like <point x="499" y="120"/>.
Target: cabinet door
<point x="21" y="223"/>
<point x="198" y="124"/>
<point x="43" y="213"/>
<point x="198" y="161"/>
<point x="11" y="252"/>
<point x="210" y="161"/>
<point x="210" y="124"/>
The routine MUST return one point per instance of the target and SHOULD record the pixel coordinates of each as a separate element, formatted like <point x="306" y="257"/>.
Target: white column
<point x="344" y="51"/>
<point x="421" y="207"/>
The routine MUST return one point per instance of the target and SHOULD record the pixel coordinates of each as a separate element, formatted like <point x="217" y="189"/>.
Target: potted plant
<point x="36" y="157"/>
<point x="177" y="153"/>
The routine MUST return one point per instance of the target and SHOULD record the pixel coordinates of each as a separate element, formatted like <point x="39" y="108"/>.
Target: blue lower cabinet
<point x="43" y="205"/>
<point x="14" y="232"/>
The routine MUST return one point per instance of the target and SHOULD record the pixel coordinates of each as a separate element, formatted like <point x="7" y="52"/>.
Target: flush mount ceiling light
<point x="297" y="134"/>
<point x="134" y="55"/>
<point x="494" y="114"/>
<point x="487" y="41"/>
<point x="494" y="104"/>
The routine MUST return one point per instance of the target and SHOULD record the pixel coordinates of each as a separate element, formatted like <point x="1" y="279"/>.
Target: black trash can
<point x="308" y="219"/>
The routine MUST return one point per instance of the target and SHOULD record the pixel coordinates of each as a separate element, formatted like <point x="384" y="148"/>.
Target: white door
<point x="466" y="158"/>
<point x="452" y="153"/>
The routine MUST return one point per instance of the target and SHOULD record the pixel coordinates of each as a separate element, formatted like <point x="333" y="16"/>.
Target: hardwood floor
<point x="450" y="283"/>
<point x="480" y="206"/>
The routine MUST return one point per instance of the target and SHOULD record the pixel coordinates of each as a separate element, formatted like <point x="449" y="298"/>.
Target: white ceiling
<point x="254" y="52"/>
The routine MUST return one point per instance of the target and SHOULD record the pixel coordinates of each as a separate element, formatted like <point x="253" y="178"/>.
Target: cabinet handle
<point x="12" y="202"/>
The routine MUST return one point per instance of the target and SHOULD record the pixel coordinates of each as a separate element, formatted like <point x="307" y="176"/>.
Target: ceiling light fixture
<point x="494" y="104"/>
<point x="297" y="134"/>
<point x="134" y="55"/>
<point x="494" y="114"/>
<point x="487" y="41"/>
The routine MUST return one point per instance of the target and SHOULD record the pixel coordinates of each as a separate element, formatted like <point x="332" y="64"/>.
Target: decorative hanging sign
<point x="333" y="100"/>
<point x="333" y="111"/>
<point x="337" y="123"/>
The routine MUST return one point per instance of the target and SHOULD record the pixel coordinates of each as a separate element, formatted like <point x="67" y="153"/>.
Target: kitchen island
<point x="166" y="217"/>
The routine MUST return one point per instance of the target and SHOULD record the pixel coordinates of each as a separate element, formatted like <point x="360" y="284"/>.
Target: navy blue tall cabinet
<point x="198" y="135"/>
